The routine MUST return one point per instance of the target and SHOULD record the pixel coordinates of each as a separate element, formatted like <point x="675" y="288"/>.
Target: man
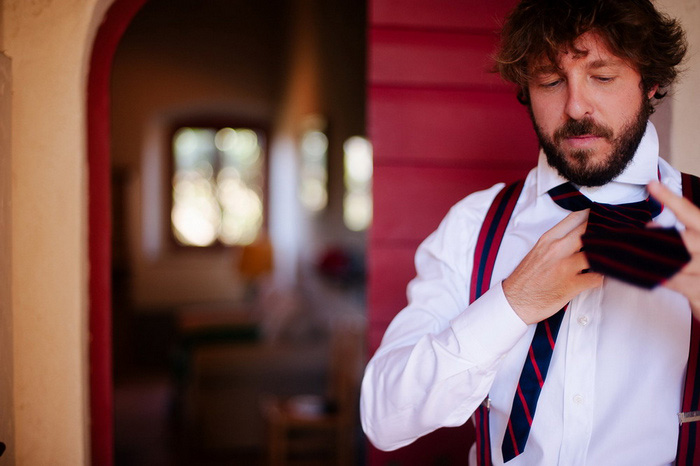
<point x="589" y="72"/>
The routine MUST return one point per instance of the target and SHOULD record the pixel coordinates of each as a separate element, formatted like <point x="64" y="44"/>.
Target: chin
<point x="586" y="168"/>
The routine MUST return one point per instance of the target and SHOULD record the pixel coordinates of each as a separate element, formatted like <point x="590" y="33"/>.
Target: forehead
<point x="588" y="50"/>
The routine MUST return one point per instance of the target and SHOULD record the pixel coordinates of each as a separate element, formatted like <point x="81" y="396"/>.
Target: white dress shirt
<point x="614" y="385"/>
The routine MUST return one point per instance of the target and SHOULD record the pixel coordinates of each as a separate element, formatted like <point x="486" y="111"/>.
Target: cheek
<point x="544" y="118"/>
<point x="546" y="110"/>
<point x="624" y="110"/>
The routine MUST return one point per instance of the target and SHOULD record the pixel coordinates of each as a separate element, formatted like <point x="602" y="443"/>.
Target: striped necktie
<point x="530" y="385"/>
<point x="616" y="244"/>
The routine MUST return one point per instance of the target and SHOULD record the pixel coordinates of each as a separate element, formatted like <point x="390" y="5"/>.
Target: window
<point x="217" y="185"/>
<point x="357" y="203"/>
<point x="313" y="191"/>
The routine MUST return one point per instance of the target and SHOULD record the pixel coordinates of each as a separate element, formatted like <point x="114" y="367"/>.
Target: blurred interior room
<point x="241" y="196"/>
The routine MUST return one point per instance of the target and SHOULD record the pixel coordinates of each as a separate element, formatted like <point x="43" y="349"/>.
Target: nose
<point x="578" y="101"/>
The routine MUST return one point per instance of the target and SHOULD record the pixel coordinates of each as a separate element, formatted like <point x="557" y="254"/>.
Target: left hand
<point x="687" y="280"/>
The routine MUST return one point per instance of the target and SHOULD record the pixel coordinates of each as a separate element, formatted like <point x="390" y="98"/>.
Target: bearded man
<point x="566" y="335"/>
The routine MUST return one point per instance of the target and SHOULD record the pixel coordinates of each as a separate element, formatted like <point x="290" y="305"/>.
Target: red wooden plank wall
<point x="442" y="127"/>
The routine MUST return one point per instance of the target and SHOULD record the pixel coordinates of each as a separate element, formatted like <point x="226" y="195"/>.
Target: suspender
<point x="487" y="246"/>
<point x="689" y="437"/>
<point x="490" y="237"/>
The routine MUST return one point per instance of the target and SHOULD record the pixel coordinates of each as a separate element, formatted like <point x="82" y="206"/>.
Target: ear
<point x="652" y="91"/>
<point x="523" y="94"/>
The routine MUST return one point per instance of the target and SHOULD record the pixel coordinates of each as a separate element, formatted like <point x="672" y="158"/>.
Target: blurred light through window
<point x="217" y="185"/>
<point x="357" y="204"/>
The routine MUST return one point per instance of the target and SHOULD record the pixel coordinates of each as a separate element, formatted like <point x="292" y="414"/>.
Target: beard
<point x="577" y="165"/>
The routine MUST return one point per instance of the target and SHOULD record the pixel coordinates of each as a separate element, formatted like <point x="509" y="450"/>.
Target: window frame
<point x="214" y="123"/>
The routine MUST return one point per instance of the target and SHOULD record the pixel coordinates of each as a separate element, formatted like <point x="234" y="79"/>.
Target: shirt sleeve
<point x="439" y="355"/>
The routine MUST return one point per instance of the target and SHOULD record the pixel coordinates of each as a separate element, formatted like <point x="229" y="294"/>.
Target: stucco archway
<point x="115" y="22"/>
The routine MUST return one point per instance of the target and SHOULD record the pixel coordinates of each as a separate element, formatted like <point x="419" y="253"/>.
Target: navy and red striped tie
<point x="617" y="244"/>
<point x="530" y="384"/>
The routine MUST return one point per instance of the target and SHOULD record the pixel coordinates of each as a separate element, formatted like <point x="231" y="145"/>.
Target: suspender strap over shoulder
<point x="487" y="244"/>
<point x="689" y="435"/>
<point x="490" y="237"/>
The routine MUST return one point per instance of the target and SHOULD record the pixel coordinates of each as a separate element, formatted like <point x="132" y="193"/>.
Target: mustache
<point x="574" y="128"/>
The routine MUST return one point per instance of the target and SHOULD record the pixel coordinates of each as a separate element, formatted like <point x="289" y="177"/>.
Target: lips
<point x="582" y="141"/>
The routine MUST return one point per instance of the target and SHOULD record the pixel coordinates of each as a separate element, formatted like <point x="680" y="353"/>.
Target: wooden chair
<point x="307" y="430"/>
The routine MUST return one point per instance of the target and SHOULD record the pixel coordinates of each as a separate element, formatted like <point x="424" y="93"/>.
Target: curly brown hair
<point x="632" y="29"/>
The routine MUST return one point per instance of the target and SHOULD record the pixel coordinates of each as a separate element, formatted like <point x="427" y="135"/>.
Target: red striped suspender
<point x="490" y="237"/>
<point x="689" y="436"/>
<point x="487" y="244"/>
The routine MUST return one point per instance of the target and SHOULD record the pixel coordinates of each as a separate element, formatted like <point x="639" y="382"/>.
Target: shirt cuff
<point x="489" y="328"/>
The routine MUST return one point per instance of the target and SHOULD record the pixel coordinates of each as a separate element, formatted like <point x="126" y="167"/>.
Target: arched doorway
<point x="116" y="21"/>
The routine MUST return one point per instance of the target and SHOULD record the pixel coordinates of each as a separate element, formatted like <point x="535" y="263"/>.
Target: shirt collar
<point x="627" y="187"/>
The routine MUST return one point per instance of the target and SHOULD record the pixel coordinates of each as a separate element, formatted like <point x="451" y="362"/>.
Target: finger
<point x="560" y="249"/>
<point x="684" y="210"/>
<point x="570" y="223"/>
<point x="586" y="281"/>
<point x="691" y="239"/>
<point x="578" y="263"/>
<point x="692" y="269"/>
<point x="571" y="243"/>
<point x="686" y="284"/>
<point x="577" y="233"/>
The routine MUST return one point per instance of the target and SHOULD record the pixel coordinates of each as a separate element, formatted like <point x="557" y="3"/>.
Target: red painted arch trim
<point x="108" y="36"/>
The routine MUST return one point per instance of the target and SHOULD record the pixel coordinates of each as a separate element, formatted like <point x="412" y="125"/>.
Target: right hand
<point x="550" y="275"/>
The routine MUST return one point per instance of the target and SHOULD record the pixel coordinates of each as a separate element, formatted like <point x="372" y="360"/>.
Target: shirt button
<point x="578" y="399"/>
<point x="583" y="321"/>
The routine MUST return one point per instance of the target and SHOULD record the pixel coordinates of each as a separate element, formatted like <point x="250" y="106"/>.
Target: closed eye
<point x="550" y="84"/>
<point x="604" y="79"/>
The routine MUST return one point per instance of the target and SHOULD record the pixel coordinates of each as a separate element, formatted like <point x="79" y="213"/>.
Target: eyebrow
<point x="550" y="68"/>
<point x="602" y="63"/>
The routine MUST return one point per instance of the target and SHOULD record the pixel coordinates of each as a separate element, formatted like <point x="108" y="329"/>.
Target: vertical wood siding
<point x="442" y="126"/>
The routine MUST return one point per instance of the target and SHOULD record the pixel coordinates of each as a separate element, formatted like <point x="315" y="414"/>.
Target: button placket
<point x="580" y="375"/>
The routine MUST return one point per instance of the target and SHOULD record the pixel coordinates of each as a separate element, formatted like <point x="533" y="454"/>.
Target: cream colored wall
<point x="48" y="45"/>
<point x="685" y="97"/>
<point x="7" y="429"/>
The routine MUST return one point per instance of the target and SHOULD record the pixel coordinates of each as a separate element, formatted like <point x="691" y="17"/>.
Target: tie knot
<point x="630" y="215"/>
<point x="618" y="244"/>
